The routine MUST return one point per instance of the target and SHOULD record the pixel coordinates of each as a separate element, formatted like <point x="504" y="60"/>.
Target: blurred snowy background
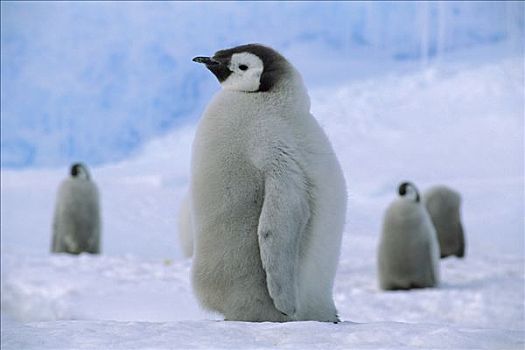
<point x="95" y="81"/>
<point x="432" y="92"/>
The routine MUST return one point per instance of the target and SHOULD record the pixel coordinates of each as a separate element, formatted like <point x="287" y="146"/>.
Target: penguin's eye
<point x="243" y="67"/>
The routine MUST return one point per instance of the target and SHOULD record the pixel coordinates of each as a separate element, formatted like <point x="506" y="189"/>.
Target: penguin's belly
<point x="225" y="185"/>
<point x="78" y="215"/>
<point x="227" y="195"/>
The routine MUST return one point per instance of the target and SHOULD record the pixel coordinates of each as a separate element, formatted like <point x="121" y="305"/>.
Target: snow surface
<point x="458" y="123"/>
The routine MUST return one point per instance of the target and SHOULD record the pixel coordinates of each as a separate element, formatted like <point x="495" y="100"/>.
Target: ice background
<point x="96" y="81"/>
<point x="431" y="92"/>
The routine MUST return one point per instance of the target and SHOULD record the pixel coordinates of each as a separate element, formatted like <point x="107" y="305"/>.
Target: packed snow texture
<point x="459" y="123"/>
<point x="93" y="81"/>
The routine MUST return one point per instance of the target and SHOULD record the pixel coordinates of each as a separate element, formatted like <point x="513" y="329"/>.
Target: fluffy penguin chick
<point x="408" y="254"/>
<point x="443" y="205"/>
<point x="185" y="227"/>
<point x="268" y="197"/>
<point x="76" y="224"/>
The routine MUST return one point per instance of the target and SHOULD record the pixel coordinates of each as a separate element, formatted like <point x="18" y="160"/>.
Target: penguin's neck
<point x="291" y="91"/>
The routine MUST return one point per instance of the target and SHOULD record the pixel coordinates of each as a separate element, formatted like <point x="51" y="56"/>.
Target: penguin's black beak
<point x="218" y="68"/>
<point x="206" y="60"/>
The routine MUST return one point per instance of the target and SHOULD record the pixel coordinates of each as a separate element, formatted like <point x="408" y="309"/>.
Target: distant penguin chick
<point x="268" y="197"/>
<point x="76" y="223"/>
<point x="185" y="227"/>
<point x="408" y="254"/>
<point x="443" y="204"/>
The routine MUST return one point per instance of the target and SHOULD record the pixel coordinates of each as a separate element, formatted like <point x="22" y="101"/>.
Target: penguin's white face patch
<point x="82" y="173"/>
<point x="246" y="72"/>
<point x="411" y="193"/>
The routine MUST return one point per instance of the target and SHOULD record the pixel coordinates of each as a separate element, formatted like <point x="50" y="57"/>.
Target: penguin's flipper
<point x="284" y="216"/>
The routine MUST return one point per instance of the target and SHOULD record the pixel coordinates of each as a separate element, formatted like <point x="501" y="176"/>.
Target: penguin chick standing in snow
<point x="76" y="224"/>
<point x="443" y="205"/>
<point x="268" y="196"/>
<point x="408" y="254"/>
<point x="185" y="228"/>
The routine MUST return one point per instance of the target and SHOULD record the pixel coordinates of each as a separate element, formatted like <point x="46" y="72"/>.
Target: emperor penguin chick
<point x="443" y="205"/>
<point x="185" y="227"/>
<point x="408" y="253"/>
<point x="76" y="224"/>
<point x="268" y="197"/>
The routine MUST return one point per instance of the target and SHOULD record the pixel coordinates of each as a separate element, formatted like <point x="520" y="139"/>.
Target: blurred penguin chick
<point x="443" y="205"/>
<point x="76" y="223"/>
<point x="408" y="253"/>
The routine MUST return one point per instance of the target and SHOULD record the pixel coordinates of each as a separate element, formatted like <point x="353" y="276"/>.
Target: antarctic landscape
<point x="442" y="108"/>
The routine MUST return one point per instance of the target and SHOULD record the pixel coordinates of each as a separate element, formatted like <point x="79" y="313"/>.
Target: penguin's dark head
<point x="248" y="68"/>
<point x="406" y="189"/>
<point x="79" y="171"/>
